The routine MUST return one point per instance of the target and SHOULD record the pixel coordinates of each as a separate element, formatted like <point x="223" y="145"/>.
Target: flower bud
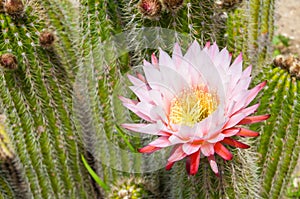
<point x="46" y="39"/>
<point x="289" y="63"/>
<point x="150" y="8"/>
<point x="8" y="61"/>
<point x="14" y="7"/>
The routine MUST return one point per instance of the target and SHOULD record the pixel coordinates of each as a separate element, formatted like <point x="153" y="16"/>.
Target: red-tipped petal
<point x="213" y="164"/>
<point x="148" y="149"/>
<point x="254" y="91"/>
<point x="192" y="163"/>
<point x="231" y="132"/>
<point x="169" y="165"/>
<point x="161" y="142"/>
<point x="247" y="133"/>
<point x="177" y="154"/>
<point x="222" y="151"/>
<point x="254" y="119"/>
<point x="235" y="143"/>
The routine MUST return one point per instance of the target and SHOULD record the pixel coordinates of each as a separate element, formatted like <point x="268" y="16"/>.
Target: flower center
<point x="192" y="106"/>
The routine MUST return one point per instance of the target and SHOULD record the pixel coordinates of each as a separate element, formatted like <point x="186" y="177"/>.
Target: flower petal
<point x="148" y="149"/>
<point x="161" y="142"/>
<point x="192" y="163"/>
<point x="247" y="133"/>
<point x="174" y="139"/>
<point x="169" y="165"/>
<point x="177" y="55"/>
<point x="235" y="143"/>
<point x="240" y="115"/>
<point x="222" y="151"/>
<point x="135" y="81"/>
<point x="189" y="148"/>
<point x="231" y="132"/>
<point x="254" y="91"/>
<point x="213" y="164"/>
<point x="207" y="149"/>
<point x="254" y="119"/>
<point x="177" y="154"/>
<point x="154" y="59"/>
<point x="152" y="129"/>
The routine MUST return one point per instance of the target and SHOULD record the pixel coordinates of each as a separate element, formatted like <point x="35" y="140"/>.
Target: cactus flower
<point x="195" y="103"/>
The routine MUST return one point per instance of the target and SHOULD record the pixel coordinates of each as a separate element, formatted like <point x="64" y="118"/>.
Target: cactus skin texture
<point x="59" y="88"/>
<point x="279" y="143"/>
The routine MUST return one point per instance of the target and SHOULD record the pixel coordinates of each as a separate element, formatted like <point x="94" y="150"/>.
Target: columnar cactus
<point x="62" y="70"/>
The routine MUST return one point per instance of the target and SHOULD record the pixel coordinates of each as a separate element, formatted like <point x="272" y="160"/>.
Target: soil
<point x="287" y="19"/>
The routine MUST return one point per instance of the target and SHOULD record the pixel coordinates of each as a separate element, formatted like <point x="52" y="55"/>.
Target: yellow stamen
<point x="192" y="106"/>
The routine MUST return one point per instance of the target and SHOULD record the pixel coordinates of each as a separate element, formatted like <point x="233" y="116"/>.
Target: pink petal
<point x="153" y="129"/>
<point x="142" y="78"/>
<point x="235" y="143"/>
<point x="142" y="93"/>
<point x="189" y="148"/>
<point x="236" y="70"/>
<point x="177" y="154"/>
<point x="165" y="60"/>
<point x="213" y="50"/>
<point x="253" y="92"/>
<point x="154" y="59"/>
<point x="217" y="138"/>
<point x="247" y="133"/>
<point x="240" y="115"/>
<point x="135" y="81"/>
<point x="223" y="151"/>
<point x="174" y="139"/>
<point x="160" y="142"/>
<point x="128" y="101"/>
<point x="207" y="45"/>
<point x="142" y="110"/>
<point x="207" y="149"/>
<point x="231" y="132"/>
<point x="249" y="110"/>
<point x="254" y="119"/>
<point x="148" y="149"/>
<point x="177" y="55"/>
<point x="247" y="72"/>
<point x="213" y="164"/>
<point x="192" y="163"/>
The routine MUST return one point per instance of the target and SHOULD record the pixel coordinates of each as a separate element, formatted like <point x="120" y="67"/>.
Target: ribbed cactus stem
<point x="10" y="167"/>
<point x="280" y="134"/>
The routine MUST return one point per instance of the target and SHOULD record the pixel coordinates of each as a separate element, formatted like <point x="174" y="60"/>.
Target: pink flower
<point x="195" y="103"/>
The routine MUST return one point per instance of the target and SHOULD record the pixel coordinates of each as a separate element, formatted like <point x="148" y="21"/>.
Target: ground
<point x="288" y="23"/>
